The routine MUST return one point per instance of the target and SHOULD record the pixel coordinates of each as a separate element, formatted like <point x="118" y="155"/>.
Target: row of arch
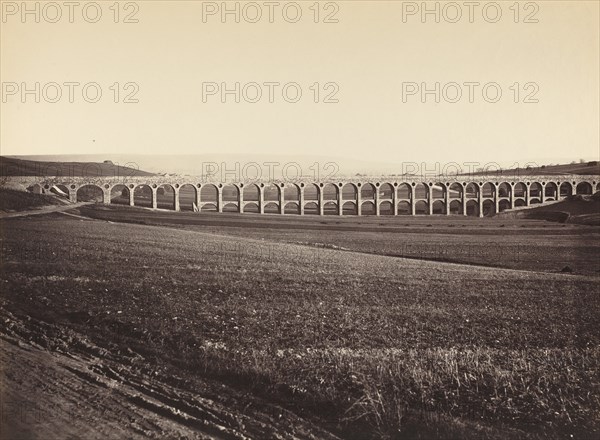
<point x="342" y="199"/>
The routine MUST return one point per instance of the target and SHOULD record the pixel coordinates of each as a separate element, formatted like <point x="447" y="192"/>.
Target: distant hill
<point x="19" y="167"/>
<point x="586" y="168"/>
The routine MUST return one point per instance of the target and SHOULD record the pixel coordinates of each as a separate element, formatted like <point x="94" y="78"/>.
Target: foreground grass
<point x="374" y="346"/>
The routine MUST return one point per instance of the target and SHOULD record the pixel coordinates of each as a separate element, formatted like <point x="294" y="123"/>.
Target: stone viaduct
<point x="473" y="195"/>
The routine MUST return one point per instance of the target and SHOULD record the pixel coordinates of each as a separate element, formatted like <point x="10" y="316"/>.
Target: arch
<point x="472" y="191"/>
<point x="165" y="197"/>
<point x="251" y="194"/>
<point x="473" y="208"/>
<point x="119" y="195"/>
<point x="230" y="207"/>
<point x="439" y="207"/>
<point x="209" y="193"/>
<point x="329" y="191"/>
<point x="292" y="208"/>
<point x="251" y="208"/>
<point x="536" y="190"/>
<point x="404" y="208"/>
<point x="520" y="203"/>
<point x="421" y="208"/>
<point x="489" y="208"/>
<point x="565" y="189"/>
<point x="504" y="190"/>
<point x="209" y="207"/>
<point x="438" y="191"/>
<point x="455" y="190"/>
<point x="271" y="193"/>
<point x="311" y="192"/>
<point x="271" y="208"/>
<point x="584" y="188"/>
<point x="456" y="207"/>
<point x="330" y="208"/>
<point x="349" y="191"/>
<point x="386" y="191"/>
<point x="598" y="186"/>
<point x="488" y="190"/>
<point x="311" y="208"/>
<point x="386" y="208"/>
<point x="367" y="191"/>
<point x="142" y="196"/>
<point x="230" y="193"/>
<point x="421" y="191"/>
<point x="90" y="193"/>
<point x="292" y="192"/>
<point x="551" y="191"/>
<point x="404" y="191"/>
<point x="349" y="208"/>
<point x="519" y="190"/>
<point x="367" y="208"/>
<point x="187" y="197"/>
<point x="503" y="205"/>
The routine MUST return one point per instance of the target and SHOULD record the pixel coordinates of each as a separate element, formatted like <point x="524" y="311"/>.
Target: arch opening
<point x="404" y="192"/>
<point x="439" y="207"/>
<point x="291" y="192"/>
<point x="209" y="194"/>
<point x="367" y="208"/>
<point x="584" y="188"/>
<point x="349" y="192"/>
<point x="311" y="208"/>
<point x="90" y="193"/>
<point x="271" y="193"/>
<point x="367" y="192"/>
<point x="251" y="193"/>
<point x="386" y="208"/>
<point x="292" y="208"/>
<point x="421" y="208"/>
<point x="456" y="207"/>
<point x="230" y="193"/>
<point x="165" y="197"/>
<point x="119" y="195"/>
<point x="565" y="189"/>
<point x="330" y="192"/>
<point x="142" y="196"/>
<point x="187" y="197"/>
<point x="404" y="208"/>
<point x="311" y="192"/>
<point x="472" y="208"/>
<point x="349" y="208"/>
<point x="386" y="191"/>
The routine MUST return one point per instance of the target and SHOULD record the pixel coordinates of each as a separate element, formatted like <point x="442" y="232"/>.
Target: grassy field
<point x="364" y="345"/>
<point x="508" y="243"/>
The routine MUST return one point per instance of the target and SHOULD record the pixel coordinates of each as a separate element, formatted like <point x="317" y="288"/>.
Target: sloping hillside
<point x="13" y="200"/>
<point x="583" y="210"/>
<point x="586" y="168"/>
<point x="19" y="167"/>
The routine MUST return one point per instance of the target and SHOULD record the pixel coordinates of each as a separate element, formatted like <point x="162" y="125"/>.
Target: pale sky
<point x="369" y="53"/>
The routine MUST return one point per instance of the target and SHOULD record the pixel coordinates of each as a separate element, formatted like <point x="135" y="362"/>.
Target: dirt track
<point x="55" y="385"/>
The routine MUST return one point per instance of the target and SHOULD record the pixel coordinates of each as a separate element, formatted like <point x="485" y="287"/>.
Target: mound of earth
<point x="16" y="200"/>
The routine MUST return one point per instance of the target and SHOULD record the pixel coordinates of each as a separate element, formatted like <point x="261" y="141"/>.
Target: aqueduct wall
<point x="475" y="195"/>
